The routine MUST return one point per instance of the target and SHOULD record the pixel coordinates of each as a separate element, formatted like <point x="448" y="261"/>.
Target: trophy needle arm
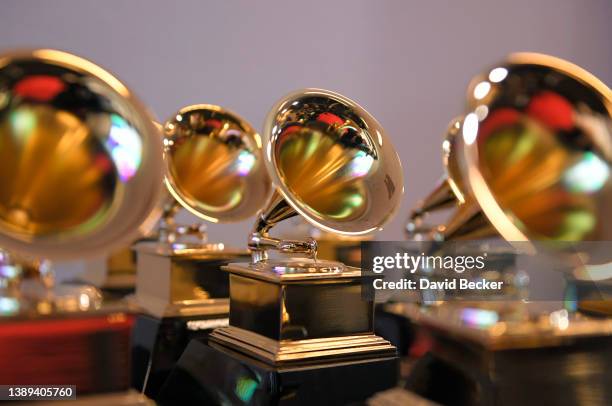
<point x="170" y="232"/>
<point x="259" y="242"/>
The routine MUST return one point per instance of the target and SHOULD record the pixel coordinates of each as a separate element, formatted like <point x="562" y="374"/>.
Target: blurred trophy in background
<point x="214" y="169"/>
<point x="301" y="329"/>
<point x="530" y="163"/>
<point x="115" y="276"/>
<point x="80" y="176"/>
<point x="120" y="272"/>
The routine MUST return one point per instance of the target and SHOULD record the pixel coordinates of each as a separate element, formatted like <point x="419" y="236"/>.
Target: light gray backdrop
<point x="407" y="62"/>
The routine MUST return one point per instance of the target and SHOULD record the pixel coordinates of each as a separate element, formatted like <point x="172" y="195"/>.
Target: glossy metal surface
<point x="331" y="163"/>
<point x="538" y="149"/>
<point x="79" y="157"/>
<point x="297" y="319"/>
<point x="178" y="284"/>
<point x="214" y="169"/>
<point x="449" y="191"/>
<point x="533" y="155"/>
<point x="214" y="164"/>
<point x="291" y="309"/>
<point x="514" y="350"/>
<point x="506" y="325"/>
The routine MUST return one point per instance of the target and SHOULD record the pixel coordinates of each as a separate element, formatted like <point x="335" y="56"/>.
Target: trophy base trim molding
<point x="178" y="283"/>
<point x="303" y="351"/>
<point x="186" y="308"/>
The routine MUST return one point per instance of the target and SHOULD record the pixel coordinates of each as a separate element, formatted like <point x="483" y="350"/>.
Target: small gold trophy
<point x="214" y="169"/>
<point x="300" y="328"/>
<point x="529" y="162"/>
<point x="79" y="176"/>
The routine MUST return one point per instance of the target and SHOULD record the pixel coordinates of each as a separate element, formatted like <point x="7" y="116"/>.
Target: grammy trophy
<point x="529" y="163"/>
<point x="213" y="168"/>
<point x="300" y="328"/>
<point x="79" y="170"/>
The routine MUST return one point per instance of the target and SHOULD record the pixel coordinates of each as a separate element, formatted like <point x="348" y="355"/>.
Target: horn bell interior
<point x="79" y="157"/>
<point x="332" y="162"/>
<point x="539" y="150"/>
<point x="214" y="164"/>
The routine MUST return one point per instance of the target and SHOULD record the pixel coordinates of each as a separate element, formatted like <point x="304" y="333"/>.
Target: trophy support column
<point x="296" y="336"/>
<point x="182" y="294"/>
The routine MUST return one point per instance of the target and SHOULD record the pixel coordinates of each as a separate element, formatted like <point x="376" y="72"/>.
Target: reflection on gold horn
<point x="79" y="157"/>
<point x="468" y="221"/>
<point x="331" y="164"/>
<point x="214" y="164"/>
<point x="530" y="160"/>
<point x="79" y="174"/>
<point x="213" y="168"/>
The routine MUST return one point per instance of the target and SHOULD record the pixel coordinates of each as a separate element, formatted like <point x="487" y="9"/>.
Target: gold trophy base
<point x="183" y="281"/>
<point x="300" y="312"/>
<point x="300" y="333"/>
<point x="279" y="353"/>
<point x="182" y="294"/>
<point x="506" y="352"/>
<point x="120" y="271"/>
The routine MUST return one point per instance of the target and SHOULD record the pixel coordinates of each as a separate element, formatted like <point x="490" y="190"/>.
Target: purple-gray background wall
<point x="407" y="62"/>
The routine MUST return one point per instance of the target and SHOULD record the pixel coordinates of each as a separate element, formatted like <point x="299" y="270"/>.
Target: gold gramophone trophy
<point x="79" y="176"/>
<point x="214" y="169"/>
<point x="529" y="162"/>
<point x="300" y="330"/>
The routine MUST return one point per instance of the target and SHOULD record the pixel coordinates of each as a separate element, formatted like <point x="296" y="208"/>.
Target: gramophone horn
<point x="330" y="162"/>
<point x="213" y="162"/>
<point x="79" y="157"/>
<point x="450" y="190"/>
<point x="534" y="154"/>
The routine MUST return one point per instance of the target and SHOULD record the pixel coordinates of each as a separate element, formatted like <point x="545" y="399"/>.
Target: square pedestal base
<point x="210" y="374"/>
<point x="158" y="343"/>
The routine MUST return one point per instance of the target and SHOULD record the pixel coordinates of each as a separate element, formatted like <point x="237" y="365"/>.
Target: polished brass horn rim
<point x="479" y="187"/>
<point x="256" y="184"/>
<point x="378" y="140"/>
<point x="131" y="207"/>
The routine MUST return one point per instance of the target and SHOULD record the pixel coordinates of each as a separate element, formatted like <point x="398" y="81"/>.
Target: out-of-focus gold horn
<point x="450" y="190"/>
<point x="79" y="157"/>
<point x="214" y="165"/>
<point x="213" y="168"/>
<point x="331" y="163"/>
<point x="80" y="175"/>
<point x="531" y="159"/>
